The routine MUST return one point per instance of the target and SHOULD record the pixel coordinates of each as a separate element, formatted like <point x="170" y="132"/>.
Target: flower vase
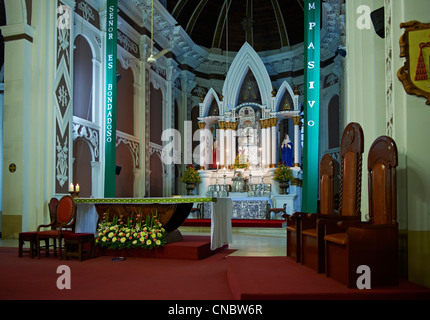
<point x="190" y="188"/>
<point x="284" y="185"/>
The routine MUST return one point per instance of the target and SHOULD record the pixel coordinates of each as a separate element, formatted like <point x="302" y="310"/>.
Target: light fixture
<point x="153" y="58"/>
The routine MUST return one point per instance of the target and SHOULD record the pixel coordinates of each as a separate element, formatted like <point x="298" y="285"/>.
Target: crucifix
<point x="248" y="22"/>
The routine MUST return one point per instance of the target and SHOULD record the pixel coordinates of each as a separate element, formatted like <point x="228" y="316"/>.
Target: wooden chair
<point x="64" y="223"/>
<point x="312" y="230"/>
<point x="374" y="243"/>
<point x="31" y="236"/>
<point x="276" y="211"/>
<point x="74" y="245"/>
<point x="312" y="244"/>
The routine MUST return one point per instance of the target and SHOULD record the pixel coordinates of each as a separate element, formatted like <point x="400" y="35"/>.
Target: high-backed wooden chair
<point x="293" y="234"/>
<point x="311" y="254"/>
<point x="312" y="231"/>
<point x="373" y="244"/>
<point x="31" y="236"/>
<point x="64" y="223"/>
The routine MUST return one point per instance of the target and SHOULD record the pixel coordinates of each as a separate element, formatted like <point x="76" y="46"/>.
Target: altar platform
<point x="189" y="248"/>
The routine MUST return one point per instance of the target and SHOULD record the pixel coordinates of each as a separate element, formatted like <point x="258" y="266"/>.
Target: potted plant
<point x="191" y="178"/>
<point x="283" y="175"/>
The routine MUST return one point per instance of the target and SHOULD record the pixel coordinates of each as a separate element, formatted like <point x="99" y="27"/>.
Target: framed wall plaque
<point x="415" y="47"/>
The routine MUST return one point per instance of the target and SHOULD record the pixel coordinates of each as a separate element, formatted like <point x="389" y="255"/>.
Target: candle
<point x="77" y="188"/>
<point x="71" y="188"/>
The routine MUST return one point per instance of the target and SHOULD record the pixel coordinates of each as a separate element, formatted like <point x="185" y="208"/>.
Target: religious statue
<point x="213" y="164"/>
<point x="287" y="151"/>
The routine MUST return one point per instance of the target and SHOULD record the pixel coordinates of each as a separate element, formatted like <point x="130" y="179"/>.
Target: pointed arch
<point x="207" y="102"/>
<point x="285" y="88"/>
<point x="245" y="60"/>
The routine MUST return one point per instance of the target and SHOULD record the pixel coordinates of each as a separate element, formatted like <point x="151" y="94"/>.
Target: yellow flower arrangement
<point x="283" y="173"/>
<point x="191" y="175"/>
<point x="135" y="233"/>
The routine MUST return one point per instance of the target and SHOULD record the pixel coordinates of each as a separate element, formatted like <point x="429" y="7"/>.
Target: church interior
<point x="220" y="88"/>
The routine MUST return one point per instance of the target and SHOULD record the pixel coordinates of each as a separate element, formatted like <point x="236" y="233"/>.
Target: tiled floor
<point x="251" y="241"/>
<point x="246" y="241"/>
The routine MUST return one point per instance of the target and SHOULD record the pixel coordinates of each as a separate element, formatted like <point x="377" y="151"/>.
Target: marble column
<point x="228" y="152"/>
<point x="233" y="140"/>
<point x="268" y="144"/>
<point x="297" y="123"/>
<point x="221" y="140"/>
<point x="202" y="151"/>
<point x="273" y="123"/>
<point x="263" y="143"/>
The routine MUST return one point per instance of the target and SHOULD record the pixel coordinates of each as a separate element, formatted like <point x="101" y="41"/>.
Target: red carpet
<point x="217" y="277"/>
<point x="238" y="223"/>
<point x="281" y="278"/>
<point x="103" y="279"/>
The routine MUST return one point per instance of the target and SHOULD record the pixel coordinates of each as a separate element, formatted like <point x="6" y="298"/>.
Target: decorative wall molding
<point x="132" y="143"/>
<point x="63" y="99"/>
<point x="89" y="132"/>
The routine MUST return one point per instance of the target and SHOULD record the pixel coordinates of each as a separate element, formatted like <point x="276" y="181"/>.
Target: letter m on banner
<point x="312" y="10"/>
<point x="111" y="97"/>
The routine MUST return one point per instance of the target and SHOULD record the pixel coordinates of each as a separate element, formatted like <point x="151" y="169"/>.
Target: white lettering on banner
<point x="311" y="64"/>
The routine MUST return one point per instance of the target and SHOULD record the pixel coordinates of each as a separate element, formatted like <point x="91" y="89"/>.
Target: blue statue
<point x="287" y="151"/>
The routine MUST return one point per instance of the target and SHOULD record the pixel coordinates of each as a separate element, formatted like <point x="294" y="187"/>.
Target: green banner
<point x="312" y="49"/>
<point x="111" y="97"/>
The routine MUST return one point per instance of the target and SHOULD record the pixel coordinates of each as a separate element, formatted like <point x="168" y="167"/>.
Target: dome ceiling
<point x="265" y="24"/>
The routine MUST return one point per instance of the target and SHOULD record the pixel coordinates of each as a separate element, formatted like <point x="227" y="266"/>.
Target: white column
<point x="228" y="144"/>
<point x="263" y="144"/>
<point x="273" y="141"/>
<point x="233" y="141"/>
<point x="221" y="144"/>
<point x="202" y="145"/>
<point x="296" y="121"/>
<point x="268" y="146"/>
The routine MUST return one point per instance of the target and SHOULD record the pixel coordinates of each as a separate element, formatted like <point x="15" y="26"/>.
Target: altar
<point x="246" y="129"/>
<point x="172" y="213"/>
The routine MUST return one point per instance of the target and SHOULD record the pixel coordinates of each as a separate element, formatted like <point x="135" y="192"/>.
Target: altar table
<point x="244" y="207"/>
<point x="173" y="212"/>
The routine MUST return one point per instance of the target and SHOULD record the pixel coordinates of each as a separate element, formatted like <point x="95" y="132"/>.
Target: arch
<point x="156" y="115"/>
<point x="156" y="176"/>
<point x="245" y="60"/>
<point x="16" y="12"/>
<point x="82" y="79"/>
<point x="125" y="179"/>
<point x="207" y="102"/>
<point x="82" y="170"/>
<point x="284" y="88"/>
<point x="125" y="92"/>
